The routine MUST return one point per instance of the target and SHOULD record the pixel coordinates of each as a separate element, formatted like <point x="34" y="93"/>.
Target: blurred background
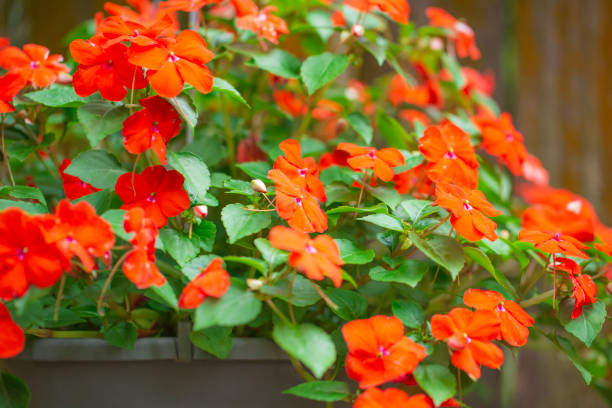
<point x="551" y="62"/>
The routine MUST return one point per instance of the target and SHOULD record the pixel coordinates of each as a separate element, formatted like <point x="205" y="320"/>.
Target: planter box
<point x="157" y="372"/>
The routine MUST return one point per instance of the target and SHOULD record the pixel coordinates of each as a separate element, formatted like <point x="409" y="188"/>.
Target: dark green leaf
<point x="96" y="167"/>
<point x="215" y="340"/>
<point x="478" y="256"/>
<point x="443" y="250"/>
<point x="437" y="381"/>
<point x="238" y="306"/>
<point x="123" y="334"/>
<point x="13" y="392"/>
<point x="410" y="313"/>
<point x="179" y="246"/>
<point x="258" y="264"/>
<point x="321" y="390"/>
<point x="221" y="85"/>
<point x="303" y="293"/>
<point x="361" y="124"/>
<point x="586" y="326"/>
<point x="410" y="272"/>
<point x="23" y="193"/>
<point x="195" y="171"/>
<point x="351" y="305"/>
<point x="239" y="222"/>
<point x="256" y="170"/>
<point x="165" y="294"/>
<point x="393" y="132"/>
<point x="206" y="231"/>
<point x="100" y="119"/>
<point x="318" y="70"/>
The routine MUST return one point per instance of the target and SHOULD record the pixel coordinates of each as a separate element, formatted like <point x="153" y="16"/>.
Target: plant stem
<point x="435" y="227"/>
<point x="108" y="281"/>
<point x="325" y="298"/>
<point x="542" y="297"/>
<point x="65" y="334"/>
<point x="303" y="126"/>
<point x="277" y="311"/>
<point x="363" y="184"/>
<point x="291" y="314"/>
<point x="60" y="294"/>
<point x="4" y="154"/>
<point x="301" y="370"/>
<point x="229" y="136"/>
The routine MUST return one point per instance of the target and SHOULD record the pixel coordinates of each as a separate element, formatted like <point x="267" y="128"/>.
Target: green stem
<point x="65" y="334"/>
<point x="542" y="297"/>
<point x="4" y="154"/>
<point x="277" y="311"/>
<point x="229" y="136"/>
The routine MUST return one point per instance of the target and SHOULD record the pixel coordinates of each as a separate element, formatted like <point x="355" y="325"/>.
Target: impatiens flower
<point x="470" y="212"/>
<point x="296" y="205"/>
<point x="263" y="23"/>
<point x="10" y="85"/>
<point x="301" y="171"/>
<point x="25" y="256"/>
<point x="330" y="114"/>
<point x="77" y="230"/>
<point x="475" y="81"/>
<point x="146" y="12"/>
<point x="244" y="7"/>
<point x="335" y="158"/>
<point x="427" y="93"/>
<point x="152" y="127"/>
<point x="12" y="338"/>
<point x="461" y="33"/>
<point x="158" y="191"/>
<point x="338" y="19"/>
<point x="584" y="289"/>
<point x="104" y="69"/>
<point x="414" y="115"/>
<point x="290" y="103"/>
<point x="414" y="181"/>
<point x="534" y="172"/>
<point x="118" y="29"/>
<point x="317" y="258"/>
<point x="513" y="319"/>
<point x="380" y="161"/>
<point x="4" y="42"/>
<point x="34" y="64"/>
<point x="139" y="266"/>
<point x="450" y="155"/>
<point x="502" y="140"/>
<point x="398" y="10"/>
<point x="172" y="62"/>
<point x="212" y="281"/>
<point x="468" y="335"/>
<point x="378" y="351"/>
<point x="73" y="186"/>
<point x="553" y="242"/>
<point x="390" y="397"/>
<point x="248" y="150"/>
<point x="185" y="5"/>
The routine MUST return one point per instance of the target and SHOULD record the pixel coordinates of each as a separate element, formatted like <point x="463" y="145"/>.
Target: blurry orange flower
<point x="380" y="161"/>
<point x="390" y="397"/>
<point x="263" y="23"/>
<point x="398" y="10"/>
<point x="212" y="281"/>
<point x="534" y="172"/>
<point x="12" y="338"/>
<point x="462" y="34"/>
<point x="415" y="181"/>
<point x="501" y="139"/>
<point x="330" y="114"/>
<point x="186" y="5"/>
<point x="291" y="103"/>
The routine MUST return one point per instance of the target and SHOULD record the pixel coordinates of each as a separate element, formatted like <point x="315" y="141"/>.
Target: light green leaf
<point x="165" y="294"/>
<point x="57" y="96"/>
<point x="361" y="124"/>
<point x="566" y="346"/>
<point x="441" y="249"/>
<point x="195" y="171"/>
<point x="321" y="390"/>
<point x="384" y="221"/>
<point x="258" y="264"/>
<point x="351" y="254"/>
<point x="179" y="246"/>
<point x="318" y="70"/>
<point x="96" y="167"/>
<point x="586" y="326"/>
<point x="237" y="307"/>
<point x="478" y="256"/>
<point x="185" y="107"/>
<point x="393" y="132"/>
<point x="215" y="340"/>
<point x="437" y="381"/>
<point x="303" y="293"/>
<point x="414" y="210"/>
<point x="23" y="193"/>
<point x="239" y="222"/>
<point x="278" y="62"/>
<point x="271" y="255"/>
<point x="221" y="85"/>
<point x="410" y="273"/>
<point x="100" y="119"/>
<point x="453" y="66"/>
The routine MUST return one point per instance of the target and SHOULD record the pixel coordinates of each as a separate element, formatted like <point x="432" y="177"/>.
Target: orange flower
<point x="4" y="42"/>
<point x="317" y="258"/>
<point x="186" y="5"/>
<point x="413" y="115"/>
<point x="427" y="93"/>
<point x="469" y="336"/>
<point x="335" y="158"/>
<point x="330" y="114"/>
<point x="553" y="242"/>
<point x="534" y="172"/>
<point x="244" y="7"/>
<point x="118" y="29"/>
<point x="10" y="85"/>
<point x="338" y="19"/>
<point x="34" y="64"/>
<point x="378" y="351"/>
<point x="450" y="154"/>
<point x="462" y="34"/>
<point x="296" y="205"/>
<point x="584" y="289"/>
<point x="398" y="10"/>
<point x="172" y="62"/>
<point x="73" y="186"/>
<point x="502" y="140"/>
<point x="290" y="103"/>
<point x="390" y="397"/>
<point x="513" y="319"/>
<point x="301" y="171"/>
<point x="469" y="210"/>
<point x="415" y="181"/>
<point x="212" y="281"/>
<point x="12" y="338"/>
<point x="380" y="161"/>
<point x="263" y="23"/>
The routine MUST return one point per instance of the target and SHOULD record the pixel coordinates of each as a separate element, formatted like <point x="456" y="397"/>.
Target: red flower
<point x="77" y="230"/>
<point x="296" y="205"/>
<point x="380" y="161"/>
<point x="172" y="62"/>
<point x="12" y="338"/>
<point x="249" y="150"/>
<point x="4" y="42"/>
<point x="25" y="256"/>
<point x="398" y="10"/>
<point x="73" y="186"/>
<point x="264" y="24"/>
<point x="212" y="281"/>
<point x="415" y="181"/>
<point x="301" y="171"/>
<point x="139" y="266"/>
<point x="513" y="319"/>
<point x="10" y="85"/>
<point x="152" y="127"/>
<point x="450" y="154"/>
<point x="462" y="34"/>
<point x="330" y="114"/>
<point x="584" y="289"/>
<point x="390" y="397"/>
<point x="244" y="7"/>
<point x="186" y="5"/>
<point x="338" y="19"/>
<point x="34" y="64"/>
<point x="157" y="190"/>
<point x="378" y="351"/>
<point x="118" y="29"/>
<point x="335" y="158"/>
<point x="426" y="94"/>
<point x="291" y="103"/>
<point x="475" y="81"/>
<point x="317" y="258"/>
<point x="469" y="336"/>
<point x="534" y="172"/>
<point x="104" y="69"/>
<point x="469" y="210"/>
<point x="501" y="139"/>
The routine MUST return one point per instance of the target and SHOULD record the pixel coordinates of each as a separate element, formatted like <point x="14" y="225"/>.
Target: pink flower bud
<point x="358" y="30"/>
<point x="200" y="211"/>
<point x="259" y="186"/>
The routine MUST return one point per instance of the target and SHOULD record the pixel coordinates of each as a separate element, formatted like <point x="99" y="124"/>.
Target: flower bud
<point x="344" y="35"/>
<point x="200" y="211"/>
<point x="436" y="44"/>
<point x="358" y="30"/>
<point x="258" y="186"/>
<point x="254" y="284"/>
<point x="505" y="234"/>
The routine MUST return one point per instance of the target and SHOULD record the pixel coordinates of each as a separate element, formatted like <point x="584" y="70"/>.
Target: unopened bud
<point x="436" y="44"/>
<point x="259" y="186"/>
<point x="254" y="284"/>
<point x="505" y="234"/>
<point x="200" y="211"/>
<point x="344" y="35"/>
<point x="358" y="30"/>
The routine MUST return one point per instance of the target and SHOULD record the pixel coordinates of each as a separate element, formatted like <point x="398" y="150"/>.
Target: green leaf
<point x="100" y="200"/>
<point x="23" y="193"/>
<point x="393" y="132"/>
<point x="206" y="231"/>
<point x="410" y="272"/>
<point x="271" y="255"/>
<point x="258" y="264"/>
<point x="318" y="70"/>
<point x="443" y="250"/>
<point x="375" y="209"/>
<point x="387" y="195"/>
<point x="239" y="222"/>
<point x="96" y="167"/>
<point x="194" y="267"/>
<point x="215" y="340"/>
<point x="20" y="150"/>
<point x="321" y="21"/>
<point x="221" y="85"/>
<point x="410" y="313"/>
<point x="378" y="49"/>
<point x="238" y="306"/>
<point x="351" y="254"/>
<point x="13" y="392"/>
<point x="321" y="390"/>
<point x="195" y="171"/>
<point x="100" y="119"/>
<point x="351" y="305"/>
<point x="414" y="210"/>
<point x="30" y="208"/>
<point x="453" y="66"/>
<point x="165" y="294"/>
<point x="385" y="221"/>
<point x="566" y="346"/>
<point x="478" y="256"/>
<point x="278" y="62"/>
<point x="309" y="344"/>
<point x="361" y="124"/>
<point x="256" y="170"/>
<point x="303" y="293"/>
<point x="586" y="326"/>
<point x="123" y="334"/>
<point x="437" y="381"/>
<point x="184" y="106"/>
<point x="179" y="246"/>
<point x="115" y="219"/>
<point x="57" y="96"/>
